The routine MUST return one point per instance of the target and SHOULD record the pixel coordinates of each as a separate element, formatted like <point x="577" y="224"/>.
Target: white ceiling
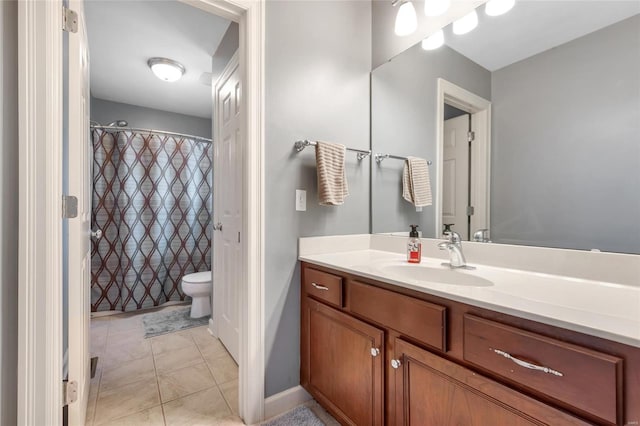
<point x="123" y="35"/>
<point x="534" y="26"/>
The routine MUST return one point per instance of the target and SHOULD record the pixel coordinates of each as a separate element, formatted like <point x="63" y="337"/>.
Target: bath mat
<point x="299" y="416"/>
<point x="164" y="322"/>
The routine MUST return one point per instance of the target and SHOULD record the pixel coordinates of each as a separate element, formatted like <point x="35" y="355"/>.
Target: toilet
<point x="198" y="286"/>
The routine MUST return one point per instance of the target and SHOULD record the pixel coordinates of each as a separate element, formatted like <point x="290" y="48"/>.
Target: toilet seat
<point x="197" y="278"/>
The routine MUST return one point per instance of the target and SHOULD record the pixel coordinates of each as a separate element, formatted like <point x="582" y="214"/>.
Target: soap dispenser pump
<point x="414" y="246"/>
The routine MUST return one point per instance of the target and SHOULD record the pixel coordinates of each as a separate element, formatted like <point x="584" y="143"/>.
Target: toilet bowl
<point x="198" y="286"/>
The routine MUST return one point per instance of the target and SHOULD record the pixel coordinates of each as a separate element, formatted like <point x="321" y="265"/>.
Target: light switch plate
<point x="419" y="209"/>
<point x="301" y="200"/>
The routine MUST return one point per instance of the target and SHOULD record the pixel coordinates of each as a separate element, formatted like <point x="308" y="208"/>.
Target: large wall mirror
<point x="553" y="87"/>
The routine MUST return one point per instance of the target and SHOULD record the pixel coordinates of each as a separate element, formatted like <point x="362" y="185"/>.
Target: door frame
<point x="40" y="229"/>
<point x="480" y="110"/>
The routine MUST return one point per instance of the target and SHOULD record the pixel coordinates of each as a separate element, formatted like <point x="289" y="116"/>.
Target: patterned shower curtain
<point x="152" y="200"/>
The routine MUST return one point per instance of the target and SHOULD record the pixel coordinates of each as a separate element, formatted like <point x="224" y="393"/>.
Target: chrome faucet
<point x="454" y="247"/>
<point x="481" y="236"/>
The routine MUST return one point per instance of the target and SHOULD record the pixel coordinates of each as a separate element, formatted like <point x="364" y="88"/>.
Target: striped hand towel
<point x="416" y="184"/>
<point x="332" y="180"/>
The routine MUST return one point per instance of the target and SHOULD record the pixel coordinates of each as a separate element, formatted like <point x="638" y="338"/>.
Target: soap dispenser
<point x="414" y="246"/>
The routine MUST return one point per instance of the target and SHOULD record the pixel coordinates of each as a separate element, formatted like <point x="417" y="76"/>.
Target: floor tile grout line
<point x="155" y="370"/>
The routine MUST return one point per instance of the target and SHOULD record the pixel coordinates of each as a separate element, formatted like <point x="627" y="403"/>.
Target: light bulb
<point x="498" y="7"/>
<point x="434" y="41"/>
<point x="406" y="20"/>
<point x="436" y="7"/>
<point x="465" y="24"/>
<point x="166" y="69"/>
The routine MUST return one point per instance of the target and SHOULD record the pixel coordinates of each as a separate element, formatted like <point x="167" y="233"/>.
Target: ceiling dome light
<point x="434" y="41"/>
<point x="406" y="20"/>
<point x="465" y="24"/>
<point x="436" y="7"/>
<point x="166" y="69"/>
<point x="498" y="7"/>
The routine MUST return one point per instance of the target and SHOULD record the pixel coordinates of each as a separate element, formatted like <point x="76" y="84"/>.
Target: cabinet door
<point x="430" y="390"/>
<point x="345" y="362"/>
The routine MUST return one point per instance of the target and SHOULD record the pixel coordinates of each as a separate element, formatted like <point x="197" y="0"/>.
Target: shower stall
<point x="152" y="200"/>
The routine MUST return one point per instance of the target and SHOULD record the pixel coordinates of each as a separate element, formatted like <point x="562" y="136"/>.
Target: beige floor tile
<point x="206" y="407"/>
<point x="91" y="402"/>
<point x="224" y="369"/>
<point x="171" y="341"/>
<point x="201" y="335"/>
<point x="229" y="421"/>
<point x="125" y="400"/>
<point x="149" y="417"/>
<point x="230" y="392"/>
<point x="209" y="346"/>
<point x="184" y="381"/>
<point x="125" y="324"/>
<point x="97" y="342"/>
<point x="177" y="359"/>
<point x="119" y="336"/>
<point x="128" y="372"/>
<point x="124" y="351"/>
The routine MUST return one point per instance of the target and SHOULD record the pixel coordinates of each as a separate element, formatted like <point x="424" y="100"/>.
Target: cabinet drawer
<point x="323" y="286"/>
<point x="415" y="318"/>
<point x="576" y="377"/>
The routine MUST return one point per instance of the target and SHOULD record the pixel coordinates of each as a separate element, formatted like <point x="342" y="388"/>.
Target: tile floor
<point x="182" y="378"/>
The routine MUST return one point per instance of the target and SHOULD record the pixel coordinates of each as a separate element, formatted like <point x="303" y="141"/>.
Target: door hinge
<point x="471" y="136"/>
<point x="238" y="236"/>
<point x="69" y="392"/>
<point x="69" y="206"/>
<point x="69" y="20"/>
<point x="469" y="210"/>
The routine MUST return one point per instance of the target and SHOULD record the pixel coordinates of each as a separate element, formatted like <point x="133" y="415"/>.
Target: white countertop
<point x="602" y="309"/>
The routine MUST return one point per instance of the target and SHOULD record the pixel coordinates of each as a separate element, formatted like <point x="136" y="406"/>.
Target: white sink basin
<point x="435" y="275"/>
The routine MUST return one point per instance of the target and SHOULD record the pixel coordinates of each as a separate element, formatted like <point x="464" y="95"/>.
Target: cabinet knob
<point x="375" y="352"/>
<point x="395" y="363"/>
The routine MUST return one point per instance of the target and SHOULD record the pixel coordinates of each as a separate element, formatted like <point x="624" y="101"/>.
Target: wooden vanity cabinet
<point x="437" y="362"/>
<point x="343" y="360"/>
<point x="429" y="390"/>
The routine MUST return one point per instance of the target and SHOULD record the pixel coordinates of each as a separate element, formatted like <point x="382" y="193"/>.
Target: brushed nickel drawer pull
<point x="528" y="364"/>
<point x="395" y="363"/>
<point x="320" y="287"/>
<point x="375" y="352"/>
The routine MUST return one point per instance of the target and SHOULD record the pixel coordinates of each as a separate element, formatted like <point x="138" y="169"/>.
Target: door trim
<point x="480" y="110"/>
<point x="40" y="229"/>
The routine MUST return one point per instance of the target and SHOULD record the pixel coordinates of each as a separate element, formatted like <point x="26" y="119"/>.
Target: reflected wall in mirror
<point x="563" y="79"/>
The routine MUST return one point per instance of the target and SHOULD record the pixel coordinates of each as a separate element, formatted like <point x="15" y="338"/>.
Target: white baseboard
<point x="210" y="328"/>
<point x="285" y="401"/>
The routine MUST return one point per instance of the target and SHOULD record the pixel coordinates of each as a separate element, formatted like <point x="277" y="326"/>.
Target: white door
<point x="227" y="206"/>
<point x="79" y="260"/>
<point x="455" y="175"/>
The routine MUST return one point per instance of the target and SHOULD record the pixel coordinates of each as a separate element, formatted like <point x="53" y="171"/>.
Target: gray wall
<point x="568" y="174"/>
<point x="9" y="212"/>
<point x="403" y="112"/>
<point x="317" y="87"/>
<point x="105" y="112"/>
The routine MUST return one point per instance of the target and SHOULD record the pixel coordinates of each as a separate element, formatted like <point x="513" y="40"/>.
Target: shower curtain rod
<point x="134" y="129"/>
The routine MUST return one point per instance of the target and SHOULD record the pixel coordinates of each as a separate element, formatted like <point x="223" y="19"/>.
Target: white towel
<point x="416" y="184"/>
<point x="332" y="180"/>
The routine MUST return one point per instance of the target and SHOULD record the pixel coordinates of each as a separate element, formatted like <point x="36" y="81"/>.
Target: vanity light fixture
<point x="406" y="19"/>
<point x="465" y="24"/>
<point x="436" y="7"/>
<point x="166" y="69"/>
<point x="498" y="7"/>
<point x="434" y="41"/>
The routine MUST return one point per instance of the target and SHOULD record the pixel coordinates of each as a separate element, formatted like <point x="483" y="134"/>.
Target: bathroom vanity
<point x="379" y="347"/>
